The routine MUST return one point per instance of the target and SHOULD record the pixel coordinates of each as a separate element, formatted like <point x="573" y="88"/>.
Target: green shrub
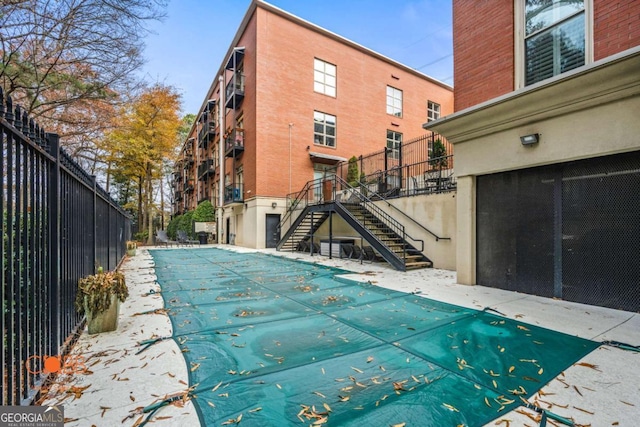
<point x="204" y="212"/>
<point x="172" y="228"/>
<point x="186" y="224"/>
<point x="352" y="172"/>
<point x="141" y="236"/>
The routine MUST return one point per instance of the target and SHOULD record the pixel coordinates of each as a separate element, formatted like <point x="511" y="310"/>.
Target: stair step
<point x="416" y="265"/>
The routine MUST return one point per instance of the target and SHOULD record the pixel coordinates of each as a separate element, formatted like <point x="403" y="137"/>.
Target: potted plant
<point x="131" y="247"/>
<point x="99" y="297"/>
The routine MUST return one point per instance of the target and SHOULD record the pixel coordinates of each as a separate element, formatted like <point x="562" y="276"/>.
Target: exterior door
<point x="273" y="235"/>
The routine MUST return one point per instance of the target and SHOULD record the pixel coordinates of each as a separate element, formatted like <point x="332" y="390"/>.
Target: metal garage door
<point x="570" y="231"/>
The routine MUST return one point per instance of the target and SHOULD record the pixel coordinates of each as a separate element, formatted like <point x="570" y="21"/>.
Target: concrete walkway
<point x="603" y="389"/>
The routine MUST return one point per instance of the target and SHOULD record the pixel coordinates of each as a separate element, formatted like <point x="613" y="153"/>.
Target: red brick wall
<point x="278" y="68"/>
<point x="616" y="26"/>
<point x="285" y="94"/>
<point x="483" y="50"/>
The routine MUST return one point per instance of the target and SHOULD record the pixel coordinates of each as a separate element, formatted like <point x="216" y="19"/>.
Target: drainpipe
<point x="290" y="126"/>
<point x="196" y="150"/>
<point x="221" y="127"/>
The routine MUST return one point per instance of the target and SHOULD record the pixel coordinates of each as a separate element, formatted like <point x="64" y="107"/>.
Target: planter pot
<point x="106" y="321"/>
<point x="131" y="252"/>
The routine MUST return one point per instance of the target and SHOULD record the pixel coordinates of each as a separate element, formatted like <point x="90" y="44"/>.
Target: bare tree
<point x="66" y="61"/>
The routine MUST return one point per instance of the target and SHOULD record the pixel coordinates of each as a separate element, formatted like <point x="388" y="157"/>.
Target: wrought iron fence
<point x="419" y="166"/>
<point x="57" y="226"/>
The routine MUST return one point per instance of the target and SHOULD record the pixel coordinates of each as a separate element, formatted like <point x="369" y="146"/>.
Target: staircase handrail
<point x="293" y="205"/>
<point x="301" y="196"/>
<point x="363" y="186"/>
<point x="381" y="214"/>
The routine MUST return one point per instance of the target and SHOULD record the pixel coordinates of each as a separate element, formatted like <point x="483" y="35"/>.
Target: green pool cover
<point x="272" y="342"/>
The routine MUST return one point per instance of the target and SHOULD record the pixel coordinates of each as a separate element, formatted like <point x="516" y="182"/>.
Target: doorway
<point x="272" y="236"/>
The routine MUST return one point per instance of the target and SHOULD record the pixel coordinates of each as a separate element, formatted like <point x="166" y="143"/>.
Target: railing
<point x="235" y="86"/>
<point x="57" y="226"/>
<point x="206" y="167"/>
<point x="430" y="176"/>
<point x="356" y="196"/>
<point x="234" y="141"/>
<point x="377" y="196"/>
<point x="233" y="194"/>
<point x="295" y="203"/>
<point x="206" y="134"/>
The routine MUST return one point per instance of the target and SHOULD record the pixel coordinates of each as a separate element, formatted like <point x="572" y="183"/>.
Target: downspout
<point x="221" y="127"/>
<point x="196" y="149"/>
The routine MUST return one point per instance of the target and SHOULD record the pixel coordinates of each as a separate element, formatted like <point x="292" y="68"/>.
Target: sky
<point x="186" y="49"/>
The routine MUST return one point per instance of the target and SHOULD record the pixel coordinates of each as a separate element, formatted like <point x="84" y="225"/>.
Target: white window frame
<point x="433" y="111"/>
<point x="325" y="78"/>
<point x="393" y="100"/>
<point x="519" y="39"/>
<point x="323" y="134"/>
<point x="393" y="144"/>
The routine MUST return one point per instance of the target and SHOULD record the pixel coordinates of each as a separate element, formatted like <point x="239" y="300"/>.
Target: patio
<point x="602" y="389"/>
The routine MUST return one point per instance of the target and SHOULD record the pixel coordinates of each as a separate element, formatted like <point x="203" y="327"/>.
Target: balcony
<point x="207" y="134"/>
<point x="233" y="194"/>
<point x="188" y="186"/>
<point x="235" y="91"/>
<point x="178" y="196"/>
<point x="188" y="161"/>
<point x="234" y="143"/>
<point x="206" y="168"/>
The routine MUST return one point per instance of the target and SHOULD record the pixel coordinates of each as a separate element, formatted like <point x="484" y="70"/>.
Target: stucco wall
<point x="436" y="212"/>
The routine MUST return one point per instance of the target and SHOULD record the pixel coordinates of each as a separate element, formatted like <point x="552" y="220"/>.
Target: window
<point x="324" y="129"/>
<point x="394" y="143"/>
<point x="324" y="77"/>
<point x="554" y="38"/>
<point x="433" y="111"/>
<point x="394" y="101"/>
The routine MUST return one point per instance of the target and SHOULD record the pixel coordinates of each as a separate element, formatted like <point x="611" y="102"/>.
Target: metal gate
<point x="570" y="231"/>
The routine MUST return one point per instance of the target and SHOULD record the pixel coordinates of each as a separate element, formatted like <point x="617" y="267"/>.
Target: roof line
<point x="300" y="21"/>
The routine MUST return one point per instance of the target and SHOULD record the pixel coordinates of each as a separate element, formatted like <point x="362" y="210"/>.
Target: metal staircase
<point x="312" y="207"/>
<point x="411" y="257"/>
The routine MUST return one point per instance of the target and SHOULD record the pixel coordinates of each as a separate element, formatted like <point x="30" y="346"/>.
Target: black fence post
<point x="53" y="220"/>
<point x="94" y="219"/>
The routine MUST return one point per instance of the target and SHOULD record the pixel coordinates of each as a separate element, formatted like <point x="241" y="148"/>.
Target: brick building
<point x="546" y="135"/>
<point x="291" y="100"/>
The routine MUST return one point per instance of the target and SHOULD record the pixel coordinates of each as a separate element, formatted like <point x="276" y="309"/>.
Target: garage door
<point x="570" y="231"/>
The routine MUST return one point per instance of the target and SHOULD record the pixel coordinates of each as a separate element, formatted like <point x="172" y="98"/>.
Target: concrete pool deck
<point x="603" y="389"/>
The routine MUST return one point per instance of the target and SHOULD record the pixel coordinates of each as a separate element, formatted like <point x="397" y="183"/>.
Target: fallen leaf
<point x="450" y="407"/>
<point x="589" y="365"/>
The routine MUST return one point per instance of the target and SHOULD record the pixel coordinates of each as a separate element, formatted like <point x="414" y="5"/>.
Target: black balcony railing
<point x="234" y="143"/>
<point x="188" y="186"/>
<point x="235" y="91"/>
<point x="188" y="161"/>
<point x="207" y="134"/>
<point x="233" y="194"/>
<point x="58" y="225"/>
<point x="206" y="168"/>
